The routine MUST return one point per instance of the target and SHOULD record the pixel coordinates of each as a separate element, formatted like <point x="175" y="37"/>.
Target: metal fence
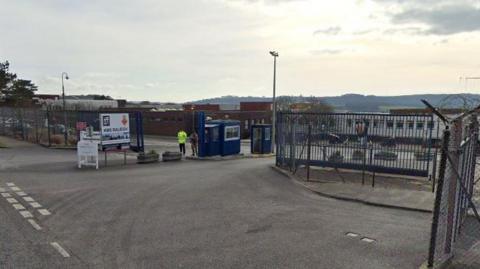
<point x="456" y="223"/>
<point x="383" y="143"/>
<point x="55" y="128"/>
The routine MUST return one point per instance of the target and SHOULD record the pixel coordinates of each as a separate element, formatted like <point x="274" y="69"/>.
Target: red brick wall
<point x="256" y="106"/>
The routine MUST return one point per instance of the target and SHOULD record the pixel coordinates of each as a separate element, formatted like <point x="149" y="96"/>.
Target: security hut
<point x="261" y="139"/>
<point x="228" y="136"/>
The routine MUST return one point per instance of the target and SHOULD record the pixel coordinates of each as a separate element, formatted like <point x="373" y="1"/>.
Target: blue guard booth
<point x="261" y="139"/>
<point x="218" y="137"/>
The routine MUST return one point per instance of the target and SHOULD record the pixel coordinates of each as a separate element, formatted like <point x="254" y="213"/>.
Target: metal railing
<point x="382" y="143"/>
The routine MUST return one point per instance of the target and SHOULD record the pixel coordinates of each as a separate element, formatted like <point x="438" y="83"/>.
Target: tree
<point x="317" y="105"/>
<point x="21" y="92"/>
<point x="6" y="78"/>
<point x="13" y="90"/>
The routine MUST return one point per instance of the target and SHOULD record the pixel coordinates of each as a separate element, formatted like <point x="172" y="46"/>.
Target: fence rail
<point x="55" y="128"/>
<point x="397" y="144"/>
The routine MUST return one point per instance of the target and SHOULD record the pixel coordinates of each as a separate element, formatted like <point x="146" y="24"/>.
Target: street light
<point x="275" y="55"/>
<point x="65" y="132"/>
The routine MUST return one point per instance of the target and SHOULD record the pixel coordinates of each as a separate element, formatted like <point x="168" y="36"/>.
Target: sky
<point x="182" y="50"/>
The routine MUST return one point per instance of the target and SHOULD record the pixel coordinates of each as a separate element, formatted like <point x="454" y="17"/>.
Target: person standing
<point x="194" y="143"/>
<point x="182" y="139"/>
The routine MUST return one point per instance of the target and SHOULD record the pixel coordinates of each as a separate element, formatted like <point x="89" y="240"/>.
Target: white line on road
<point x="15" y="189"/>
<point x="28" y="199"/>
<point x="352" y="234"/>
<point x="26" y="214"/>
<point x="59" y="248"/>
<point x="35" y="205"/>
<point x="10" y="184"/>
<point x="368" y="240"/>
<point x="21" y="193"/>
<point x="35" y="224"/>
<point x="12" y="200"/>
<point x="18" y="206"/>
<point x="44" y="212"/>
<point x="6" y="194"/>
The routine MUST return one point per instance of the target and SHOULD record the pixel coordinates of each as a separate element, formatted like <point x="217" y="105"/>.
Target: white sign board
<point x="87" y="153"/>
<point x="115" y="129"/>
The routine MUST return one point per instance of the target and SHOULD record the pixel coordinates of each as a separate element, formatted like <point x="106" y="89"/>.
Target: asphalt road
<point x="191" y="214"/>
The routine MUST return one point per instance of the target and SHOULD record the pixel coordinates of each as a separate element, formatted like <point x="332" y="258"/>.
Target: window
<point x="349" y="122"/>
<point x="431" y="124"/>
<point x="246" y="124"/>
<point x="389" y="123"/>
<point x="215" y="134"/>
<point x="267" y="134"/>
<point x="410" y="124"/>
<point x="232" y="133"/>
<point x="400" y="124"/>
<point x="375" y="123"/>
<point x="420" y="125"/>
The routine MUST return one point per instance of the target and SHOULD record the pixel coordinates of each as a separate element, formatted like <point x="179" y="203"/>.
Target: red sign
<point x="81" y="125"/>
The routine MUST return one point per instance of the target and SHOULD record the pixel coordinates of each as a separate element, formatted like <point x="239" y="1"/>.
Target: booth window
<point x="232" y="133"/>
<point x="215" y="134"/>
<point x="267" y="134"/>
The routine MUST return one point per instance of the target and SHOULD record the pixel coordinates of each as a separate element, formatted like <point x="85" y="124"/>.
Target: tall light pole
<point x="274" y="108"/>
<point x="65" y="132"/>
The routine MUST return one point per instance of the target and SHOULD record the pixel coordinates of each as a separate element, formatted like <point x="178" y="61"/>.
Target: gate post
<point x="309" y="147"/>
<point x="438" y="198"/>
<point x="452" y="181"/>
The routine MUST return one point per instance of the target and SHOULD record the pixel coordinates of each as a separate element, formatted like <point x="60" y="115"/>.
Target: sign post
<point x="115" y="133"/>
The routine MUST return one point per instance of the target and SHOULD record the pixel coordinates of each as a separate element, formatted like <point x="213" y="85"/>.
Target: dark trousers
<point x="182" y="148"/>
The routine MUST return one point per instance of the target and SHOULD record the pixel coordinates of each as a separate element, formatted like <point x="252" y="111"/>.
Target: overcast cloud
<point x="189" y="49"/>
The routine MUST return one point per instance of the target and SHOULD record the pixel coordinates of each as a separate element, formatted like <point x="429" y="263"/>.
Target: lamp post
<point x="65" y="132"/>
<point x="274" y="108"/>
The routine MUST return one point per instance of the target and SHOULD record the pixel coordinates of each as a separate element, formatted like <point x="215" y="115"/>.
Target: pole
<point x="274" y="104"/>
<point x="65" y="134"/>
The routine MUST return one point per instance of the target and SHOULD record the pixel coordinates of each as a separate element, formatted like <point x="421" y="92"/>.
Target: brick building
<point x="169" y="122"/>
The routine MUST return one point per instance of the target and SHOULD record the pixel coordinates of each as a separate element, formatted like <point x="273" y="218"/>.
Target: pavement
<point x="189" y="214"/>
<point x="393" y="192"/>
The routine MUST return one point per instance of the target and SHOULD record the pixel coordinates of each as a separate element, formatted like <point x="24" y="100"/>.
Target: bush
<point x="386" y="155"/>
<point x="358" y="155"/>
<point x="336" y="157"/>
<point x="56" y="139"/>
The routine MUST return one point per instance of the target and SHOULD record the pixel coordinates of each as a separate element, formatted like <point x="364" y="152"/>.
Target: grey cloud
<point x="328" y="31"/>
<point x="445" y="20"/>
<point x="442" y="17"/>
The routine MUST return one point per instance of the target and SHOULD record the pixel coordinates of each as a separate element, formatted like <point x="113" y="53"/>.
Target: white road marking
<point x="59" y="248"/>
<point x="28" y="199"/>
<point x="26" y="214"/>
<point x="2" y="189"/>
<point x="368" y="240"/>
<point x="352" y="234"/>
<point x="35" y="205"/>
<point x="21" y="193"/>
<point x="10" y="184"/>
<point x="6" y="194"/>
<point x="12" y="200"/>
<point x="44" y="212"/>
<point x="15" y="189"/>
<point x="18" y="206"/>
<point x="34" y="224"/>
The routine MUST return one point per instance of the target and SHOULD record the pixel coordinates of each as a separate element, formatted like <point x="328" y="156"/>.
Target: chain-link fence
<point x="456" y="223"/>
<point x="55" y="128"/>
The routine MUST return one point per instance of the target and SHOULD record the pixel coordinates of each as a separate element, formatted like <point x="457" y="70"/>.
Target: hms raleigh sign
<point x="115" y="130"/>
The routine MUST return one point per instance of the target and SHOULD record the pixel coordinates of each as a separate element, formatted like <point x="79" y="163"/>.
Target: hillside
<point x="367" y="103"/>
